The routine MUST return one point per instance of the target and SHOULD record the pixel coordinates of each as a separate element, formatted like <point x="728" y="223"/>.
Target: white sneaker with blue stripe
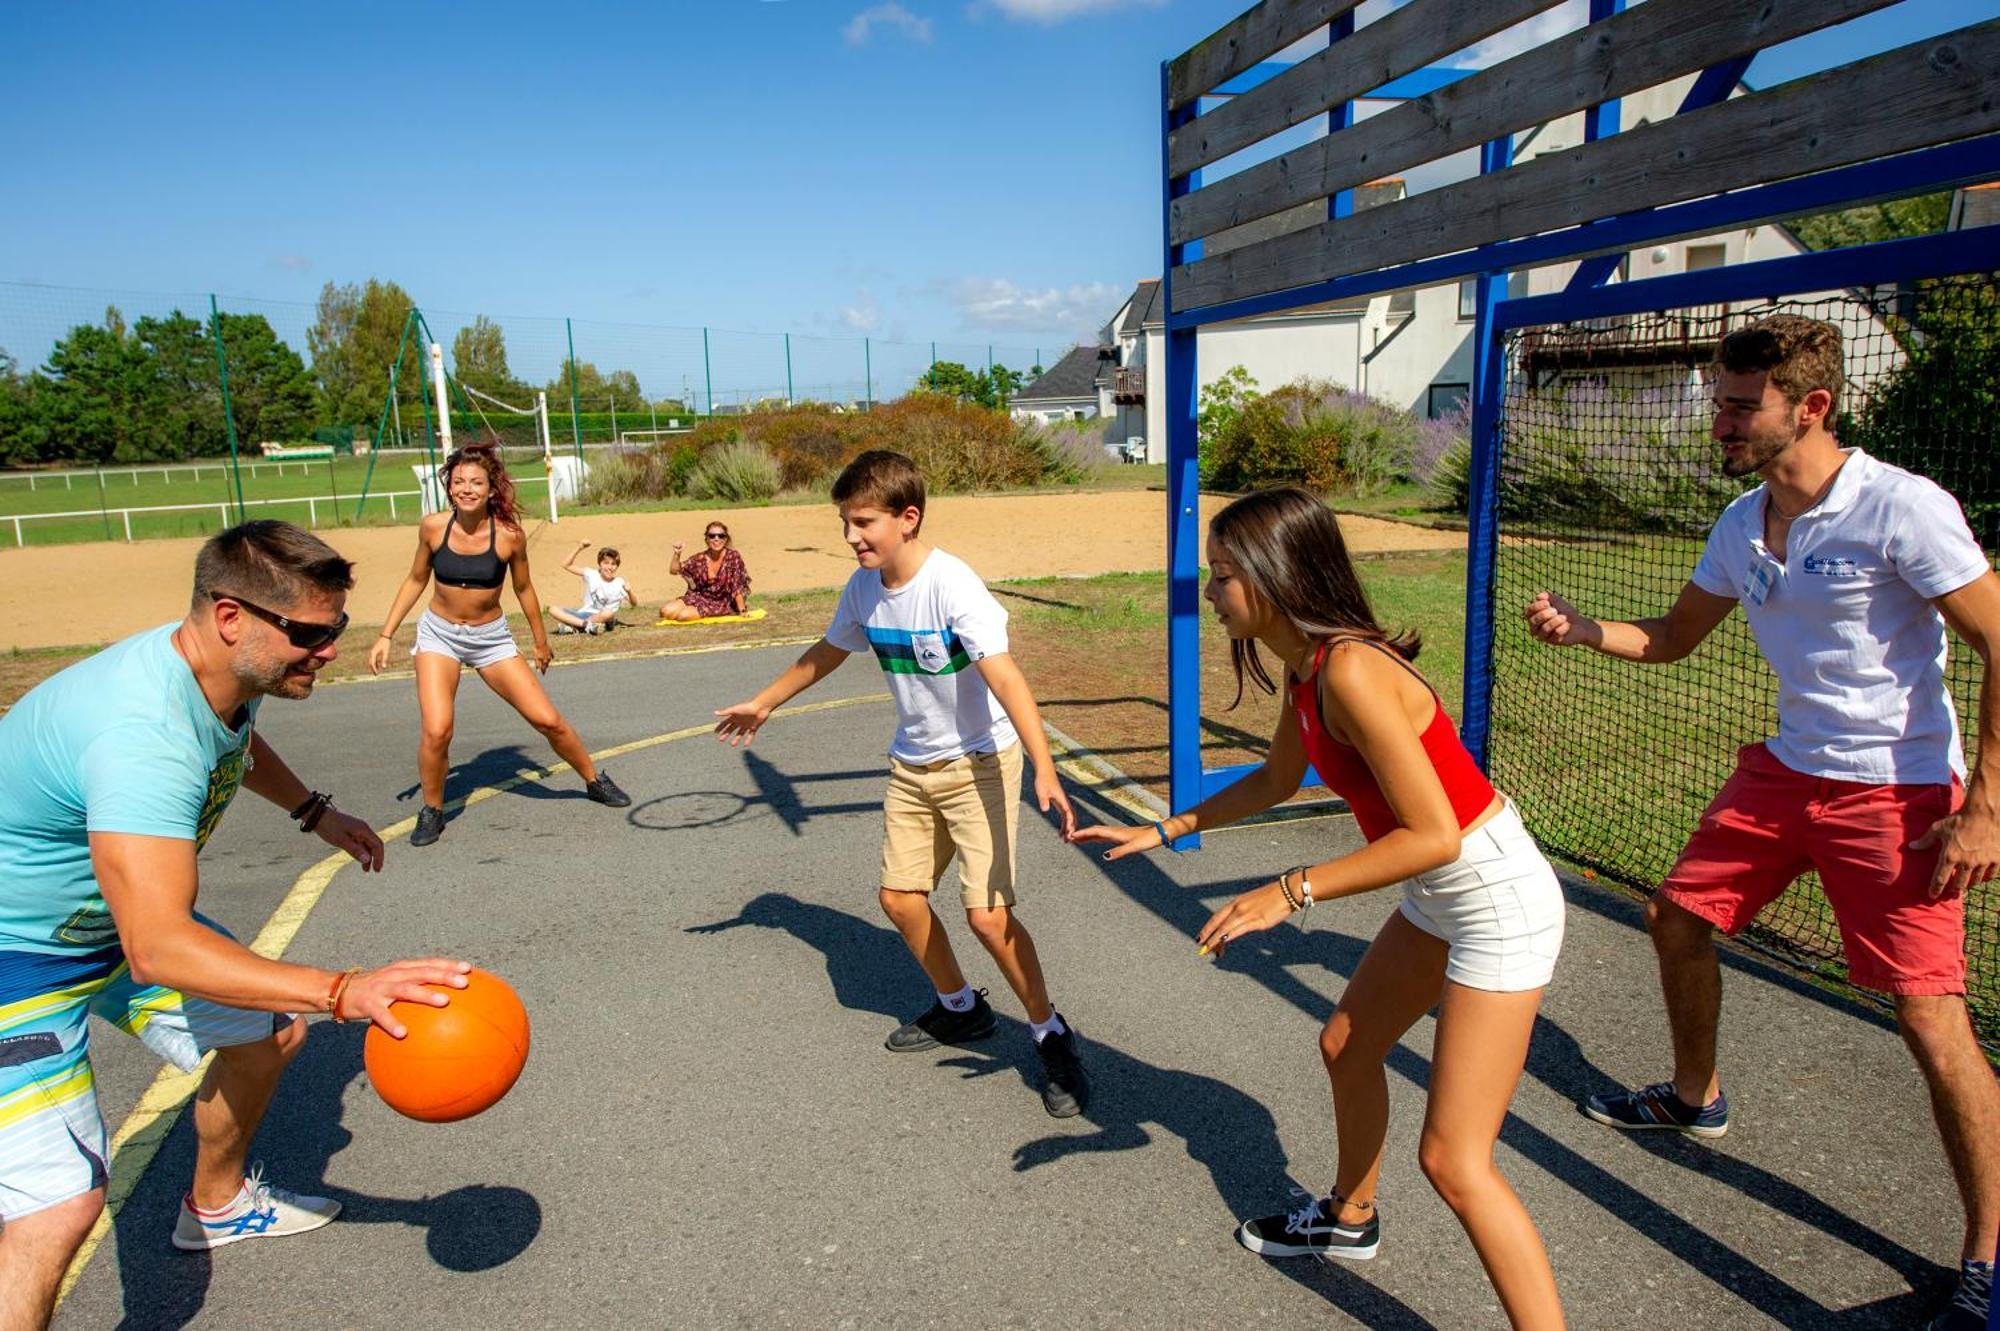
<point x="260" y="1211"/>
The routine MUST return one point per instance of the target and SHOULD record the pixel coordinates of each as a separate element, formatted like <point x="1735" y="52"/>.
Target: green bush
<point x="738" y="473"/>
<point x="1315" y="434"/>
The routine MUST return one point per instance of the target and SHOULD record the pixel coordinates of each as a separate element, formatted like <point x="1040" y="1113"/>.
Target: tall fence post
<point x="228" y="413"/>
<point x="788" y="369"/>
<point x="707" y="373"/>
<point x="867" y="375"/>
<point x="575" y="424"/>
<point x="389" y="409"/>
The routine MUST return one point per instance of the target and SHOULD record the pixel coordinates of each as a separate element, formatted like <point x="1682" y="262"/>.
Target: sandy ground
<point x="102" y="591"/>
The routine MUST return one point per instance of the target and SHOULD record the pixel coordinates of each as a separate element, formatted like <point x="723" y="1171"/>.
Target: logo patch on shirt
<point x="1832" y="566"/>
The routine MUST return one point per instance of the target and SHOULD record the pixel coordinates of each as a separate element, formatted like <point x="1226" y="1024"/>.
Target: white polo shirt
<point x="1847" y="624"/>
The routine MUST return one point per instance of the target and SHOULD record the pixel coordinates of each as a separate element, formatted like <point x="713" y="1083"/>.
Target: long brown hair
<point x="501" y="502"/>
<point x="1286" y="544"/>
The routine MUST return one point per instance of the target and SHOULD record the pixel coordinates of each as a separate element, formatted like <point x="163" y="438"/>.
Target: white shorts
<point x="1498" y="905"/>
<point x="476" y="645"/>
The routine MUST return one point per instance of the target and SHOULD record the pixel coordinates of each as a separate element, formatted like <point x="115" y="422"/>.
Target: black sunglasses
<point x="307" y="637"/>
<point x="718" y="535"/>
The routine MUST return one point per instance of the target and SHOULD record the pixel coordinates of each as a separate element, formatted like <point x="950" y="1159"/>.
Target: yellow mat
<point x="747" y="617"/>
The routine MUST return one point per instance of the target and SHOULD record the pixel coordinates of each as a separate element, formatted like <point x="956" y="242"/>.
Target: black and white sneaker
<point x="1971" y="1302"/>
<point x="1065" y="1088"/>
<point x="430" y="826"/>
<point x="941" y="1025"/>
<point x="605" y="791"/>
<point x="1312" y="1231"/>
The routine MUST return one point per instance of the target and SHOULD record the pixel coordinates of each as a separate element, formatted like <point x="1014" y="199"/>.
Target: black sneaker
<point x="943" y="1026"/>
<point x="430" y="826"/>
<point x="605" y="791"/>
<point x="1065" y="1088"/>
<point x="1970" y="1302"/>
<point x="1312" y="1231"/>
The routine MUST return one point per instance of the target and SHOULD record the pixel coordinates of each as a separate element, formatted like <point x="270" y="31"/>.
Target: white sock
<point x="961" y="1001"/>
<point x="1055" y="1025"/>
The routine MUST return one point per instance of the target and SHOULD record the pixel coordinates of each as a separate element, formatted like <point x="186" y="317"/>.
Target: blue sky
<point x="982" y="171"/>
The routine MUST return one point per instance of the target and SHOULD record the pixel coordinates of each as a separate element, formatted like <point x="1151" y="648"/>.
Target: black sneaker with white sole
<point x="941" y="1025"/>
<point x="1312" y="1231"/>
<point x="1065" y="1088"/>
<point x="430" y="826"/>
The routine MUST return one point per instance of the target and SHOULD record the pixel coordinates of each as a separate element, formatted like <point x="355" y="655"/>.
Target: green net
<point x="1608" y="485"/>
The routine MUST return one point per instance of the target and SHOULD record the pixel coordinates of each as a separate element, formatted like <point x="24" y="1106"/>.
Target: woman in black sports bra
<point x="469" y="550"/>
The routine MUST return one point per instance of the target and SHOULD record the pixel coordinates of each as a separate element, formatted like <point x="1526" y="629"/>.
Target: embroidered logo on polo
<point x="1832" y="566"/>
<point x="918" y="651"/>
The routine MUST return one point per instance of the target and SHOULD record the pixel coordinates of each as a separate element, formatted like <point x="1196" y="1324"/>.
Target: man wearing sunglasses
<point x="112" y="775"/>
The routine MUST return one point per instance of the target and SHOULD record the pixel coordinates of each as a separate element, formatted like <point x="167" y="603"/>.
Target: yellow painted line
<point x="139" y="1137"/>
<point x="638" y="654"/>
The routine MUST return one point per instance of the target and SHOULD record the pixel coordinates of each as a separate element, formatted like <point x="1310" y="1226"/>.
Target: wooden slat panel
<point x="1646" y="45"/>
<point x="1929" y="93"/>
<point x="1410" y="38"/>
<point x="1251" y="36"/>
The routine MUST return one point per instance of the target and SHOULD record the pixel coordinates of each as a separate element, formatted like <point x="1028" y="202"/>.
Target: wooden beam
<point x="1240" y="43"/>
<point x="1410" y="38"/>
<point x="1929" y="93"/>
<point x="1646" y="45"/>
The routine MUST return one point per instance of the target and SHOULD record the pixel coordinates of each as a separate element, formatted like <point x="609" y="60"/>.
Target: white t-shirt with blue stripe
<point x="926" y="635"/>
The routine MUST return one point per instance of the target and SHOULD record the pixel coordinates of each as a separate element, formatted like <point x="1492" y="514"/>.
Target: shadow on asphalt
<point x="1555" y="1059"/>
<point x="502" y="763"/>
<point x="1225" y="1131"/>
<point x="472" y="1228"/>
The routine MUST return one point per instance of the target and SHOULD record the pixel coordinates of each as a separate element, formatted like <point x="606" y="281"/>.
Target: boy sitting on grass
<point x="604" y="594"/>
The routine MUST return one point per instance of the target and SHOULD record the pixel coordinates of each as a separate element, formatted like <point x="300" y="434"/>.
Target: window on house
<point x="1468" y="298"/>
<point x="1700" y="257"/>
<point x="1443" y="399"/>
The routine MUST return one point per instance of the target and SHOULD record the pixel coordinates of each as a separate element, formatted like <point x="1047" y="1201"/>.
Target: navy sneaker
<point x="1312" y="1231"/>
<point x="1065" y="1086"/>
<point x="1970" y="1302"/>
<point x="1657" y="1107"/>
<point x="430" y="826"/>
<point x="941" y="1025"/>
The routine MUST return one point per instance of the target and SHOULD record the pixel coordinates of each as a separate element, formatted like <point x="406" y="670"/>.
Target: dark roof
<point x="1075" y="375"/>
<point x="1141" y="311"/>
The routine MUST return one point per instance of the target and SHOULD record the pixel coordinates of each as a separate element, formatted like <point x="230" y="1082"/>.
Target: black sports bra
<point x="485" y="571"/>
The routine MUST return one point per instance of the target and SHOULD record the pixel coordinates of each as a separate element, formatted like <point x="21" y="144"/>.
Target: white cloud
<point x="1048" y="12"/>
<point x="891" y="15"/>
<point x="1543" y="27"/>
<point x="999" y="304"/>
<point x="863" y="316"/>
<point x="291" y="263"/>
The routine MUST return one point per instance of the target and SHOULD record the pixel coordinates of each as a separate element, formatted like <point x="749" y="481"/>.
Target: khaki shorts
<point x="968" y="805"/>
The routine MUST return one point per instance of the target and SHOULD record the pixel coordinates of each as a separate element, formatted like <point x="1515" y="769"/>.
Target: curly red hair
<point x="501" y="503"/>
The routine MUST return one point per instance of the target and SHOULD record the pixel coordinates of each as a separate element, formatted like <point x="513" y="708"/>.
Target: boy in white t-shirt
<point x="964" y="715"/>
<point x="604" y="594"/>
<point x="1848" y="570"/>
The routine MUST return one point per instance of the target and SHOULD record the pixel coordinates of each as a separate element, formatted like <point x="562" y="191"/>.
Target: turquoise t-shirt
<point x="122" y="742"/>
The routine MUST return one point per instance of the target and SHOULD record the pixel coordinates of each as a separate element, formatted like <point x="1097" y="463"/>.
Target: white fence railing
<point x="223" y="508"/>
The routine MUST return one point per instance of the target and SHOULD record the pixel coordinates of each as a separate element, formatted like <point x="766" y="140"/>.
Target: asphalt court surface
<point x="709" y="1133"/>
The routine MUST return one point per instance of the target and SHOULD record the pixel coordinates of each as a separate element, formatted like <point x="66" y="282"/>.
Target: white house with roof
<point x="1411" y="349"/>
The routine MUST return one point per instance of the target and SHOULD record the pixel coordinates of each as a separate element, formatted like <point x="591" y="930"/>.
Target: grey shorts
<point x="476" y="645"/>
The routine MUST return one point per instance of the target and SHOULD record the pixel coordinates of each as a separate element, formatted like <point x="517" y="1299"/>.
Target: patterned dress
<point x="715" y="595"/>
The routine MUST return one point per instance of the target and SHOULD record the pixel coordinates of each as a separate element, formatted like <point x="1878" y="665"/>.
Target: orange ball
<point x="457" y="1059"/>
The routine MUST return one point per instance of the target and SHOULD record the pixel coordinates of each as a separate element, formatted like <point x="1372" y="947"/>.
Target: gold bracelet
<point x="1286" y="888"/>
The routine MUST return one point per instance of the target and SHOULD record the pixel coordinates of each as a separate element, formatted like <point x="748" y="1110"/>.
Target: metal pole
<point x="575" y="426"/>
<point x="707" y="373"/>
<point x="548" y="453"/>
<point x="1482" y="537"/>
<point x="382" y="422"/>
<point x="443" y="402"/>
<point x="1183" y="498"/>
<point x="868" y="375"/>
<point x="788" y="369"/>
<point x="228" y="415"/>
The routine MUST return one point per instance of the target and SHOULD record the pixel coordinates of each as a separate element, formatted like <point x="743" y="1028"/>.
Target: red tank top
<point x="1343" y="768"/>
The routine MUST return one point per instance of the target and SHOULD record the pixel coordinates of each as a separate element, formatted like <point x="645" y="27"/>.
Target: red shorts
<point x="1769" y="824"/>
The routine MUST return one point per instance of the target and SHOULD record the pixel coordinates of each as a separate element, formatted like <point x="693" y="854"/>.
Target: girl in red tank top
<point x="1481" y="918"/>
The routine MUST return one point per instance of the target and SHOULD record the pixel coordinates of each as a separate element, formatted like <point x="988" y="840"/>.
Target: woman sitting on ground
<point x="718" y="583"/>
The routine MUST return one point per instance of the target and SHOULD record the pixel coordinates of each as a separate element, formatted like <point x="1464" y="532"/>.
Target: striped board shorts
<point x="475" y="645"/>
<point x="53" y="1143"/>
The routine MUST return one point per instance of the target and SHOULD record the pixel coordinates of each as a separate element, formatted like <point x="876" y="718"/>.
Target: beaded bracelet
<point x="1286" y="888"/>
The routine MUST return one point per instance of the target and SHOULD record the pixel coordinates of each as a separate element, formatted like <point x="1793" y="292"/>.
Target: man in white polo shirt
<point x="1848" y="570"/>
